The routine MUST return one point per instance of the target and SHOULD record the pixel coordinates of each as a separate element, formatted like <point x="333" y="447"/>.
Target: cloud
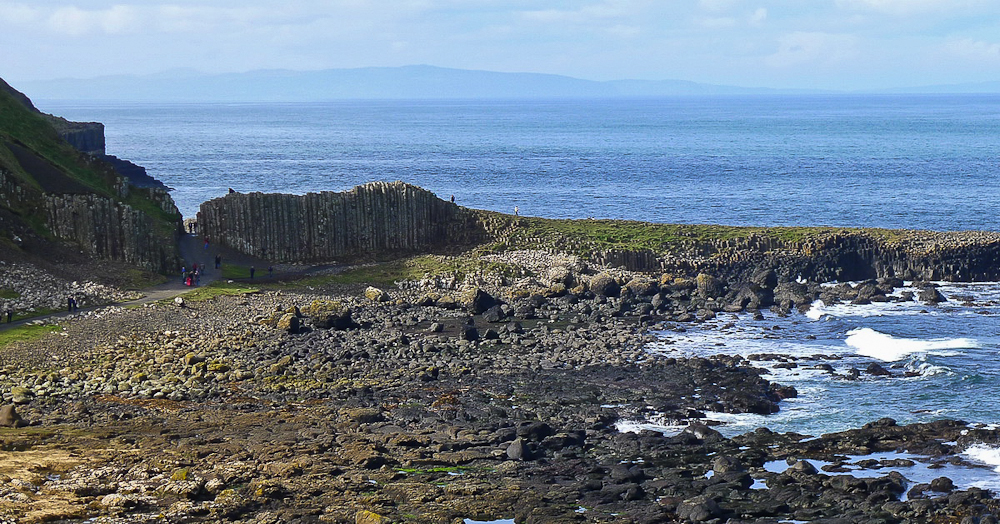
<point x="758" y="17"/>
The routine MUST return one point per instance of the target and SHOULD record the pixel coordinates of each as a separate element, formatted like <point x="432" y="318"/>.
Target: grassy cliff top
<point x="587" y="235"/>
<point x="32" y="151"/>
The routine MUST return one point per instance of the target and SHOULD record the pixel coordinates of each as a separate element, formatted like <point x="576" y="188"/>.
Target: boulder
<point x="330" y="314"/>
<point x="518" y="450"/>
<point x="480" y="301"/>
<point x="642" y="287"/>
<point x="376" y="295"/>
<point x="495" y="314"/>
<point x="9" y="418"/>
<point x="709" y="286"/>
<point x="604" y="285"/>
<point x="21" y="395"/>
<point x="289" y="322"/>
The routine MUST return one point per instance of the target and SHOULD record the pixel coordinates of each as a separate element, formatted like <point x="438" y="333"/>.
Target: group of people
<point x="193" y="277"/>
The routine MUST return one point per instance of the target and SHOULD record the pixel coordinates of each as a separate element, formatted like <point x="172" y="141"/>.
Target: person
<point x="270" y="271"/>
<point x="206" y="242"/>
<point x="452" y="199"/>
<point x="516" y="210"/>
<point x="197" y="278"/>
<point x="69" y="304"/>
<point x="252" y="271"/>
<point x="184" y="272"/>
<point x="218" y="261"/>
<point x="10" y="315"/>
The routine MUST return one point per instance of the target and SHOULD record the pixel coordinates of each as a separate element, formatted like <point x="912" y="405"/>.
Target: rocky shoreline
<point x="490" y="397"/>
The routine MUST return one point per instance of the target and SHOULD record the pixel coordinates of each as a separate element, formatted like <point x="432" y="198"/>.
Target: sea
<point x="890" y="161"/>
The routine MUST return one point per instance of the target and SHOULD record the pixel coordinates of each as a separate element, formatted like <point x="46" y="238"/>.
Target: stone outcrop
<point x="110" y="230"/>
<point x="86" y="137"/>
<point x="817" y="254"/>
<point x="57" y="201"/>
<point x="374" y="220"/>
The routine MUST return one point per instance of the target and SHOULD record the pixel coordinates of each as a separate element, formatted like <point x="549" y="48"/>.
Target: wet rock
<point x="699" y="509"/>
<point x="469" y="333"/>
<point x="495" y="314"/>
<point x="877" y="370"/>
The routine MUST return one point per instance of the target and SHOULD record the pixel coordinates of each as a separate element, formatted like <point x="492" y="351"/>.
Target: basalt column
<point x="373" y="220"/>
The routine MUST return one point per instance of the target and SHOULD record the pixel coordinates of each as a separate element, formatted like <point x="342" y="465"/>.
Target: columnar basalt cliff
<point x="374" y="220"/>
<point x="58" y="191"/>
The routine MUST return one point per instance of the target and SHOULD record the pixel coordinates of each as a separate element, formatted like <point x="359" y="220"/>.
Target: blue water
<point x="927" y="162"/>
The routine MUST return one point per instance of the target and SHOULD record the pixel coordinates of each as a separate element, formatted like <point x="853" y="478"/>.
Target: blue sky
<point x="834" y="44"/>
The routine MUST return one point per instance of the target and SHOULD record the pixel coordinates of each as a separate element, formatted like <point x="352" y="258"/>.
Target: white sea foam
<point x="870" y="343"/>
<point x="635" y="426"/>
<point x="984" y="454"/>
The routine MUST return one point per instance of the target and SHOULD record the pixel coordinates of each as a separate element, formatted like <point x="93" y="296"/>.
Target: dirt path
<point x="192" y="250"/>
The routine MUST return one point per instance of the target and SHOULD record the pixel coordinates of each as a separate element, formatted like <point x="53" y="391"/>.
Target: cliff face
<point x="57" y="191"/>
<point x="373" y="220"/>
<point x="86" y="137"/>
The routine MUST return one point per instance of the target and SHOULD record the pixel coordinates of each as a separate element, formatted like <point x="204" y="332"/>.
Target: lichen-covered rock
<point x="605" y="285"/>
<point x="376" y="295"/>
<point x="330" y="314"/>
<point x="709" y="286"/>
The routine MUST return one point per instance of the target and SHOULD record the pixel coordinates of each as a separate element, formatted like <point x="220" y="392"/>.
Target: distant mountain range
<point x="408" y="82"/>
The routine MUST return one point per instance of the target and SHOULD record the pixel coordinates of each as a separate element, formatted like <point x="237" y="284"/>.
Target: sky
<point x="824" y="44"/>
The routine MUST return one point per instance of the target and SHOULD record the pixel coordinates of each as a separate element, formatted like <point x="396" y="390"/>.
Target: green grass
<point x="415" y="268"/>
<point x="583" y="237"/>
<point x="217" y="289"/>
<point x="9" y="294"/>
<point x="25" y="334"/>
<point x="231" y="271"/>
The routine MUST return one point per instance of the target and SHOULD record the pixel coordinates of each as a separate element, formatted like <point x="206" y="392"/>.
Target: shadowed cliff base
<point x="379" y="221"/>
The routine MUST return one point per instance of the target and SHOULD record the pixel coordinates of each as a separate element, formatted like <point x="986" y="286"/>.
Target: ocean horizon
<point x="888" y="161"/>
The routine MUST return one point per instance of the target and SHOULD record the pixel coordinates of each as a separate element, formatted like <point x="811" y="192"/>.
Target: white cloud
<point x="758" y="17"/>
